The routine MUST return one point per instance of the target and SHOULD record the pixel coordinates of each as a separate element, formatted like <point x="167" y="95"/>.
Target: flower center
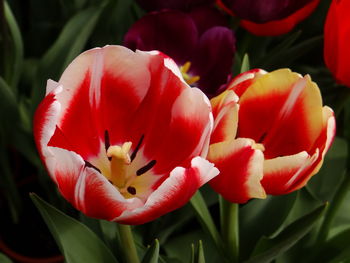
<point x="187" y="77"/>
<point x="129" y="173"/>
<point x="120" y="159"/>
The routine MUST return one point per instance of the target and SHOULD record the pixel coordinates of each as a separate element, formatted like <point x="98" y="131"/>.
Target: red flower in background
<point x="197" y="41"/>
<point x="269" y="17"/>
<point x="121" y="134"/>
<point x="337" y="41"/>
<point x="270" y="140"/>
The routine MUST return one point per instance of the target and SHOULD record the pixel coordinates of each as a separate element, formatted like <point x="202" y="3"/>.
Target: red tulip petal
<point x="241" y="169"/>
<point x="240" y="83"/>
<point x="99" y="95"/>
<point x="278" y="27"/>
<point x="281" y="172"/>
<point x="336" y="39"/>
<point x="225" y="112"/>
<point x="85" y="188"/>
<point x="286" y="174"/>
<point x="173" y="193"/>
<point x="291" y="119"/>
<point x="168" y="113"/>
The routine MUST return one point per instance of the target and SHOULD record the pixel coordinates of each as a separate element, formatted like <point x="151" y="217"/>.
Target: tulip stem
<point x="127" y="240"/>
<point x="230" y="228"/>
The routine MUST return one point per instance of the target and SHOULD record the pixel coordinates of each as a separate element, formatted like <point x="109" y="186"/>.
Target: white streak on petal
<point x="293" y="96"/>
<point x="304" y="166"/>
<point x="96" y="76"/>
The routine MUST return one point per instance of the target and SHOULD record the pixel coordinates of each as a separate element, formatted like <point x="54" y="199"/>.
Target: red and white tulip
<point x="270" y="134"/>
<point x="123" y="136"/>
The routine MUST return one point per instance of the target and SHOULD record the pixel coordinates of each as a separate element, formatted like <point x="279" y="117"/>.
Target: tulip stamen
<point x="133" y="155"/>
<point x="120" y="159"/>
<point x="90" y="165"/>
<point x="146" y="168"/>
<point x="107" y="142"/>
<point x="187" y="77"/>
<point x="131" y="190"/>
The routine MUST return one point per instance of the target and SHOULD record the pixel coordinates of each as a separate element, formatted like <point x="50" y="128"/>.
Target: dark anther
<point x="107" y="143"/>
<point x="263" y="136"/>
<point x="133" y="155"/>
<point x="146" y="168"/>
<point x="131" y="190"/>
<point x="87" y="164"/>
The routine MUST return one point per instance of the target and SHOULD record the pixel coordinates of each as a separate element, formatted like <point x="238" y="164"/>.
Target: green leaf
<point x="152" y="253"/>
<point x="17" y="61"/>
<point x="206" y="220"/>
<point x="179" y="247"/>
<point x="338" y="248"/>
<point x="8" y="185"/>
<point x="192" y="254"/>
<point x="70" y="43"/>
<point x="270" y="248"/>
<point x="4" y="258"/>
<point x="199" y="256"/>
<point x="331" y="173"/>
<point x="245" y="63"/>
<point x="76" y="241"/>
<point x="288" y="56"/>
<point x="257" y="213"/>
<point x="8" y="105"/>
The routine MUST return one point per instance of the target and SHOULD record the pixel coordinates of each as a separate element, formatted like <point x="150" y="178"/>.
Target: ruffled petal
<point x="173" y="193"/>
<point x="241" y="169"/>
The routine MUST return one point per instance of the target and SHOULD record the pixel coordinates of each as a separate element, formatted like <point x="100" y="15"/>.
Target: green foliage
<point x="4" y="258"/>
<point x="77" y="242"/>
<point x="152" y="253"/>
<point x="268" y="249"/>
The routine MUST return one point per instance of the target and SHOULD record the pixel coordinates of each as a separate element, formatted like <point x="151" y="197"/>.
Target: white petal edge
<point x="207" y="171"/>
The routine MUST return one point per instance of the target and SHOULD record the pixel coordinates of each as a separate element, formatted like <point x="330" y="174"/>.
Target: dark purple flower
<point x="197" y="41"/>
<point x="183" y="5"/>
<point x="262" y="11"/>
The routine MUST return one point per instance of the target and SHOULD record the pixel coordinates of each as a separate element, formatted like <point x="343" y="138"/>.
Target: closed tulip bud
<point x="337" y="41"/>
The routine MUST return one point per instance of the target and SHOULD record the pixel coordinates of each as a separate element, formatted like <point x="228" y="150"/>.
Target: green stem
<point x="230" y="227"/>
<point x="205" y="219"/>
<point x="127" y="240"/>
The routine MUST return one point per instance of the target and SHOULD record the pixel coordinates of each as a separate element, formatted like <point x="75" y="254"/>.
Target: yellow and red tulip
<point x="123" y="136"/>
<point x="270" y="134"/>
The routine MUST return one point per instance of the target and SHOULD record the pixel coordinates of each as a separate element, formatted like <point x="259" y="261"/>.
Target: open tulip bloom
<point x="123" y="135"/>
<point x="270" y="134"/>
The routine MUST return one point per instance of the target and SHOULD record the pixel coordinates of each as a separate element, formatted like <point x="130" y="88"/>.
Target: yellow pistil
<point x="187" y="77"/>
<point x="120" y="159"/>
